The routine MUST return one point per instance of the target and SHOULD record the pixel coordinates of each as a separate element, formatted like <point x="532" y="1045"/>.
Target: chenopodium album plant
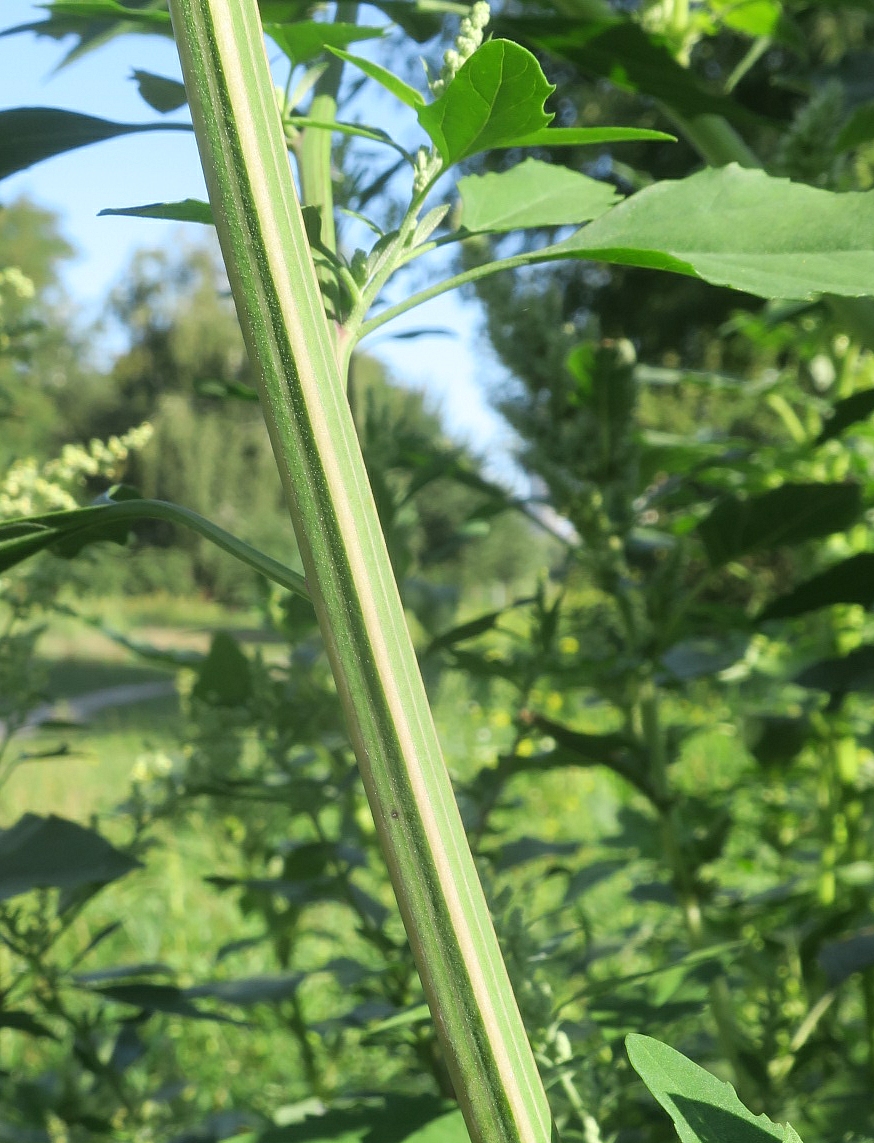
<point x="304" y="306"/>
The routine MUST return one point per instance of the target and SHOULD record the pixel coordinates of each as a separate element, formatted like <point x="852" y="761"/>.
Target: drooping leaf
<point x="703" y="1108"/>
<point x="387" y="79"/>
<point x="496" y="97"/>
<point x="790" y="514"/>
<point x="188" y="210"/>
<point x="305" y="40"/>
<point x="858" y="407"/>
<point x="224" y="677"/>
<point x="850" y="581"/>
<point x="28" y="135"/>
<point x="161" y="94"/>
<point x="532" y="193"/>
<point x="740" y="228"/>
<point x="53" y="853"/>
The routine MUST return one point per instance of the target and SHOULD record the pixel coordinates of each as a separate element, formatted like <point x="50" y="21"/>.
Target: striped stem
<point x="348" y="573"/>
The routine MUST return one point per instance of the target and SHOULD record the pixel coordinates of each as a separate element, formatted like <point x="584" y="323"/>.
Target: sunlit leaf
<point x="532" y="194"/>
<point x="586" y="137"/>
<point x="496" y="97"/>
<point x="741" y="228"/>
<point x="387" y="79"/>
<point x="188" y="210"/>
<point x="704" y="1109"/>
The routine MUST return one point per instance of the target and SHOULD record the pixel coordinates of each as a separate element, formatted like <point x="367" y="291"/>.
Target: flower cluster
<point x="470" y="36"/>
<point x="30" y="487"/>
<point x="17" y="283"/>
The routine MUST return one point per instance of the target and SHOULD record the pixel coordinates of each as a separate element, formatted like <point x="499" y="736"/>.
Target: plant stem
<point x="290" y="343"/>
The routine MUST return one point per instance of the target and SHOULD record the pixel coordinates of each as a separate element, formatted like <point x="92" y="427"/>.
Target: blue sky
<point x="164" y="167"/>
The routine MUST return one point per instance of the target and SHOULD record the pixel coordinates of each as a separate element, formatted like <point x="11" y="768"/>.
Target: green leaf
<point x="96" y="23"/>
<point x="188" y="210"/>
<point x="532" y="194"/>
<point x="850" y="581"/>
<point x="416" y="20"/>
<point x="386" y="78"/>
<point x="588" y="136"/>
<point x="840" y="959"/>
<point x="848" y="412"/>
<point x="394" y="1119"/>
<point x="841" y="675"/>
<point x="165" y="998"/>
<point x="109" y="9"/>
<point x="66" y="533"/>
<point x="224" y="677"/>
<point x="160" y="93"/>
<point x="790" y="514"/>
<point x="703" y="1108"/>
<point x="24" y="1022"/>
<point x="623" y="53"/>
<point x="496" y="97"/>
<point x="741" y="228"/>
<point x="858" y="130"/>
<point x="305" y="40"/>
<point x="28" y="135"/>
<point x="53" y="853"/>
<point x="249" y="991"/>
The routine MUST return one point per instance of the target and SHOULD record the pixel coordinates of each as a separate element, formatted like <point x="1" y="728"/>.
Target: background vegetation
<point x="652" y="678"/>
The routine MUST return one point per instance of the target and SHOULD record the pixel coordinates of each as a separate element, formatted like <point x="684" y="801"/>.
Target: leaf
<point x="252" y="990"/>
<point x="53" y="853"/>
<point x="305" y="40"/>
<point x="703" y="1108"/>
<point x="24" y="1022"/>
<point x="790" y="514"/>
<point x="524" y="849"/>
<point x="631" y="59"/>
<point x="160" y="93"/>
<point x="496" y="97"/>
<point x="840" y="959"/>
<point x="532" y="194"/>
<point x="158" y="998"/>
<point x="123" y="972"/>
<point x="188" y="210"/>
<point x="858" y="130"/>
<point x="224" y="678"/>
<point x="28" y="135"/>
<point x="740" y="228"/>
<point x="858" y="407"/>
<point x="94" y="24"/>
<point x="419" y="23"/>
<point x="391" y="82"/>
<point x="850" y="581"/>
<point x="588" y="136"/>
<point x="841" y="675"/>
<point x="701" y="656"/>
<point x="392" y="1119"/>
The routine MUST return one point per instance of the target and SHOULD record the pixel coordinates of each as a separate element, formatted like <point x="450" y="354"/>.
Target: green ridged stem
<point x="291" y="346"/>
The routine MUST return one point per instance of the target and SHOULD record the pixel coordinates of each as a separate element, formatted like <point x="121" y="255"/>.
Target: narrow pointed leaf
<point x="703" y="1108"/>
<point x="305" y="40"/>
<point x="53" y="853"/>
<point x="188" y="210"/>
<point x="851" y="581"/>
<point x="588" y="136"/>
<point x="741" y="228"/>
<point x="790" y="514"/>
<point x="848" y="412"/>
<point x="496" y="97"/>
<point x="532" y="194"/>
<point x="66" y="533"/>
<point x="387" y="79"/>
<point x="30" y="134"/>
<point x="161" y="94"/>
